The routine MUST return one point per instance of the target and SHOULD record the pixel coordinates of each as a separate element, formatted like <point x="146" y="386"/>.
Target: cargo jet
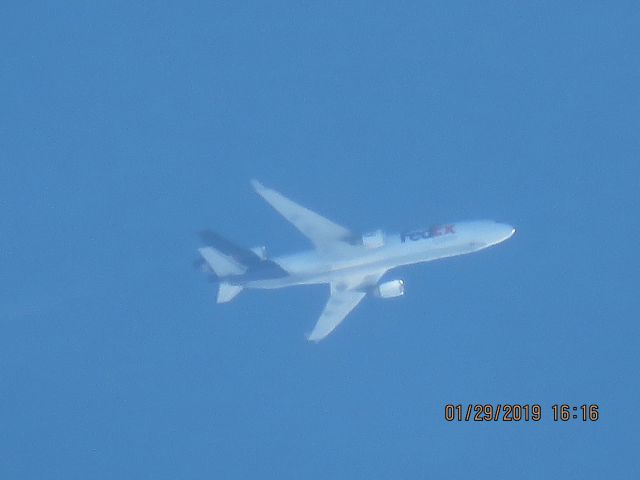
<point x="351" y="264"/>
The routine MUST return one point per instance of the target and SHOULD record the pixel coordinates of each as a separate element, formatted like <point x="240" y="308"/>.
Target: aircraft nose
<point x="501" y="232"/>
<point x="509" y="231"/>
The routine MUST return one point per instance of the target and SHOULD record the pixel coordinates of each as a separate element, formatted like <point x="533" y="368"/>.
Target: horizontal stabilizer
<point x="244" y="256"/>
<point x="228" y="292"/>
<point x="221" y="264"/>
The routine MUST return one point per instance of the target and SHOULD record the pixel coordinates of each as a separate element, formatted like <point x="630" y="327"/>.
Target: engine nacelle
<point x="373" y="239"/>
<point x="390" y="289"/>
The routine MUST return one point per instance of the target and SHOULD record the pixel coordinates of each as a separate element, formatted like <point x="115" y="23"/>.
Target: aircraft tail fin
<point x="227" y="292"/>
<point x="221" y="264"/>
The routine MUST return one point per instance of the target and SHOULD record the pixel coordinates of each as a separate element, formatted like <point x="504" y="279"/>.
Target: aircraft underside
<point x="352" y="266"/>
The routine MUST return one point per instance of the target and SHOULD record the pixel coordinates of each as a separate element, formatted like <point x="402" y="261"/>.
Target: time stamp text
<point x="520" y="412"/>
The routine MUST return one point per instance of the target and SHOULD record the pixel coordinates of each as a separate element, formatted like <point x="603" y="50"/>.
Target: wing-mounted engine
<point x="390" y="289"/>
<point x="373" y="239"/>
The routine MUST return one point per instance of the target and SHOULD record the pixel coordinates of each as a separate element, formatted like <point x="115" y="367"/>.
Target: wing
<point x="346" y="294"/>
<point x="338" y="307"/>
<point x="321" y="231"/>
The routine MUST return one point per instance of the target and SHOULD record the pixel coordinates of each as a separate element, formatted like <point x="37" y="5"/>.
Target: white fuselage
<point x="424" y="245"/>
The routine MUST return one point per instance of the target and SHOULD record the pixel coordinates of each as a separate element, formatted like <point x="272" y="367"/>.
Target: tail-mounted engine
<point x="390" y="289"/>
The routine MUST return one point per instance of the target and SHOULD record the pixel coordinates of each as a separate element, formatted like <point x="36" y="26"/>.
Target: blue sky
<point x="127" y="127"/>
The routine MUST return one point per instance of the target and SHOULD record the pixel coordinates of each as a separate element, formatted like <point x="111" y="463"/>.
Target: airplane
<point x="351" y="264"/>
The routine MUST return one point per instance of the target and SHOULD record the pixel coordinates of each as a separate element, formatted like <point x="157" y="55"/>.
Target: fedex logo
<point x="430" y="232"/>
